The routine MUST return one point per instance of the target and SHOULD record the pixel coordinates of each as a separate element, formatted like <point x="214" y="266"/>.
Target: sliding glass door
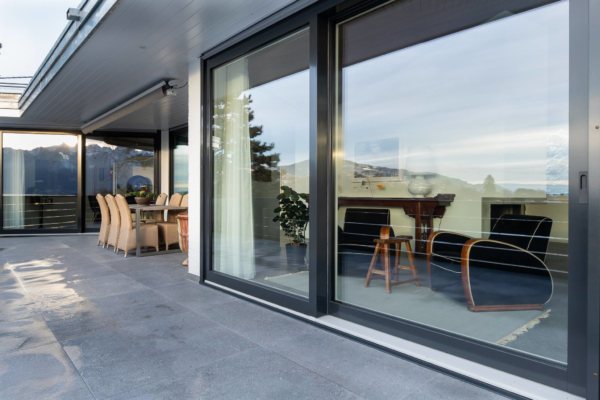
<point x="260" y="167"/>
<point x="451" y="171"/>
<point x="439" y="147"/>
<point x="39" y="181"/>
<point x="116" y="165"/>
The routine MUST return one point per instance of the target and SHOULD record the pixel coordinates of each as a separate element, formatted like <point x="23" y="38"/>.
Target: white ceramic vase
<point x="419" y="186"/>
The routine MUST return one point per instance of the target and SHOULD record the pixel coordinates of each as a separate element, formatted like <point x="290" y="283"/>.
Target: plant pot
<point x="296" y="255"/>
<point x="143" y="201"/>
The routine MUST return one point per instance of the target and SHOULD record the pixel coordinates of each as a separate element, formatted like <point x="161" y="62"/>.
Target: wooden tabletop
<point x="152" y="207"/>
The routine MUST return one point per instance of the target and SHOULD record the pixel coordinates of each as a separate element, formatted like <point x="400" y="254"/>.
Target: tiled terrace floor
<point x="79" y="322"/>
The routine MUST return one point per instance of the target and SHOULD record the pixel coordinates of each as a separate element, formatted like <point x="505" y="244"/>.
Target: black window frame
<point x="322" y="18"/>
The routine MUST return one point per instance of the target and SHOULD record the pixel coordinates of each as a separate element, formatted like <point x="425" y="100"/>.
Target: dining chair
<point x="159" y="216"/>
<point x="167" y="231"/>
<point x="104" y="222"/>
<point x="128" y="233"/>
<point x="115" y="222"/>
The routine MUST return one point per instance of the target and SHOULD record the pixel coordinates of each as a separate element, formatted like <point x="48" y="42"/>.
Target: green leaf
<point x="276" y="219"/>
<point x="277" y="210"/>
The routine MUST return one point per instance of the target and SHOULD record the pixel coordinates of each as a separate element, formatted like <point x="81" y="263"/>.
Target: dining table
<point x="138" y="208"/>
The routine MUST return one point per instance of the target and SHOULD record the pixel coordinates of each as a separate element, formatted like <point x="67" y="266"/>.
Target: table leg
<point x="138" y="250"/>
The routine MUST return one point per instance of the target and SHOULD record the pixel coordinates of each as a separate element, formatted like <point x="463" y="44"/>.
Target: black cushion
<point x="531" y="233"/>
<point x="355" y="241"/>
<point x="362" y="225"/>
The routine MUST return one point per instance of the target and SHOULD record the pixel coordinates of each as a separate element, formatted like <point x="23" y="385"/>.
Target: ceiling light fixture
<point x="155" y="93"/>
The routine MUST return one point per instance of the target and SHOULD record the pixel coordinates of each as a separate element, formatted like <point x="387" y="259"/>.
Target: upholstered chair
<point x="505" y="272"/>
<point x="105" y="220"/>
<point x="115" y="222"/>
<point x="167" y="231"/>
<point x="184" y="201"/>
<point x="161" y="200"/>
<point x="127" y="234"/>
<point x="355" y="240"/>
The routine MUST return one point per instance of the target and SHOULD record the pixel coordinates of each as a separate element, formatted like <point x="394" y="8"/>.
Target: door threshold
<point x="456" y="366"/>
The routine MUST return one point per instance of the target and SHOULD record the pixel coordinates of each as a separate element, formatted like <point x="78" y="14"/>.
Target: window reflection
<point x="116" y="165"/>
<point x="180" y="164"/>
<point x="260" y="154"/>
<point x="453" y="150"/>
<point x="39" y="174"/>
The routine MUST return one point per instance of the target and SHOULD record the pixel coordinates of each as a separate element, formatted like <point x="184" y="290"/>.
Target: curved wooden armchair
<point x="115" y="222"/>
<point x="128" y="234"/>
<point x="105" y="220"/>
<point x="503" y="273"/>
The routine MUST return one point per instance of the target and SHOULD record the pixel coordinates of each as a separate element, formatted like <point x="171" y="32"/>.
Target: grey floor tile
<point x="158" y="277"/>
<point x="113" y="362"/>
<point x="108" y="313"/>
<point x="8" y="280"/>
<point x="359" y="368"/>
<point x="62" y="273"/>
<point x="63" y="293"/>
<point x="43" y="372"/>
<point x="23" y="331"/>
<point x="16" y="301"/>
<point x="448" y="388"/>
<point x="195" y="296"/>
<point x="253" y="374"/>
<point x="255" y="322"/>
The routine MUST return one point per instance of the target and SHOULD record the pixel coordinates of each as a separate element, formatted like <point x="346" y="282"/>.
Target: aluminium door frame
<point x="584" y="321"/>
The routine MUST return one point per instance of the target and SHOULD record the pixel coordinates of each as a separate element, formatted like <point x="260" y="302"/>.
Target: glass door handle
<point x="583" y="187"/>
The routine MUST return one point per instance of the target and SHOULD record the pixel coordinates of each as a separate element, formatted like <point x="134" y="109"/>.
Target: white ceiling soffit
<point x="138" y="43"/>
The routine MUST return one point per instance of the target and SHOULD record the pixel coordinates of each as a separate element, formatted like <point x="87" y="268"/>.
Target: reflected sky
<point x="20" y="141"/>
<point x="489" y="100"/>
<point x="282" y="108"/>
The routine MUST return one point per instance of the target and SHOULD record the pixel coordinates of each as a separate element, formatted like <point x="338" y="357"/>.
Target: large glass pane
<point x="115" y="165"/>
<point x="39" y="174"/>
<point x="452" y="146"/>
<point x="260" y="152"/>
<point x="180" y="164"/>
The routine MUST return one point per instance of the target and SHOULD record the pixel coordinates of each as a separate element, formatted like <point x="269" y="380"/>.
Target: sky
<point x="28" y="30"/>
<point x="490" y="100"/>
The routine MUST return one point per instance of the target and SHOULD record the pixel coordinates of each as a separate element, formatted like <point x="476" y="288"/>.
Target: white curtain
<point x="14" y="178"/>
<point x="233" y="221"/>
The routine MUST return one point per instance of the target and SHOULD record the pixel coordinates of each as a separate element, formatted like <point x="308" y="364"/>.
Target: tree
<point x="489" y="186"/>
<point x="262" y="163"/>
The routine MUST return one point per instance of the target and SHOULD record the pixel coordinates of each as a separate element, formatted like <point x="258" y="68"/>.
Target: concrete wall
<point x="194" y="141"/>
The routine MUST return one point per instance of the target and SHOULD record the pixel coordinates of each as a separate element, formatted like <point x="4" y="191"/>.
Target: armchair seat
<point x="355" y="240"/>
<point x="503" y="273"/>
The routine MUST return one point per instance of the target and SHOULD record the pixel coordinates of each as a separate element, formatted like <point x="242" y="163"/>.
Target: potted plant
<point x="143" y="197"/>
<point x="292" y="215"/>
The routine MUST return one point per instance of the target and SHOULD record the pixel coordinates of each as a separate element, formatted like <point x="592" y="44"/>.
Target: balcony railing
<point x="39" y="212"/>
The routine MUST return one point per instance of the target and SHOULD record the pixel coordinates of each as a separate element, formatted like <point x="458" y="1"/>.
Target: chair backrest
<point x="175" y="199"/>
<point x="124" y="211"/>
<point x="115" y="217"/>
<point x="362" y="225"/>
<point x="184" y="201"/>
<point x="104" y="213"/>
<point x="528" y="232"/>
<point x="161" y="200"/>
